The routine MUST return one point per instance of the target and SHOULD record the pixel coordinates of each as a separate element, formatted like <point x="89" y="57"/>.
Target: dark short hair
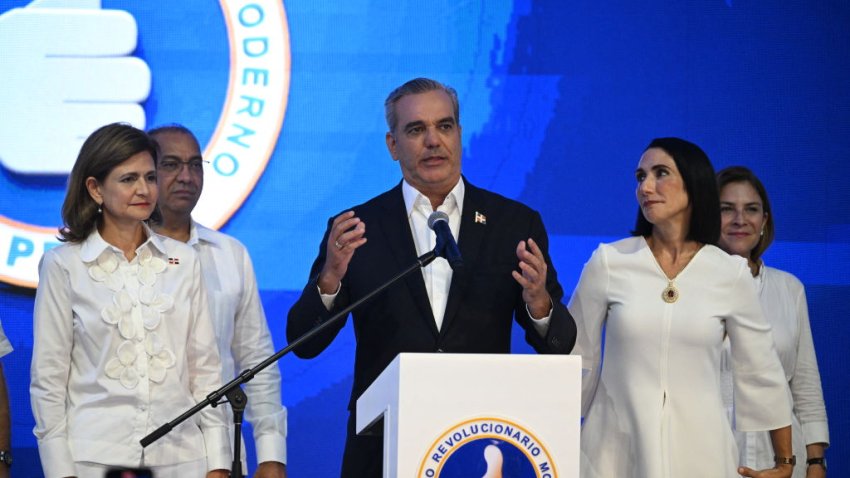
<point x="698" y="176"/>
<point x="102" y="151"/>
<point x="414" y="87"/>
<point x="172" y="128"/>
<point x="741" y="174"/>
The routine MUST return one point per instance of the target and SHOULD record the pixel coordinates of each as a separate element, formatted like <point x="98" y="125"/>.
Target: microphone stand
<point x="232" y="390"/>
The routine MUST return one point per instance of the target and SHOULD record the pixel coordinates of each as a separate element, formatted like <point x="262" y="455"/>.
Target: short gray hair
<point x="414" y="87"/>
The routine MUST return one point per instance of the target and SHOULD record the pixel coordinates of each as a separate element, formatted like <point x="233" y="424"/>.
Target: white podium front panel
<point x="476" y="414"/>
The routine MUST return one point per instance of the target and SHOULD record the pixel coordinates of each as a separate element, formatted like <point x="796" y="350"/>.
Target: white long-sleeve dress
<point x="783" y="300"/>
<point x="651" y="397"/>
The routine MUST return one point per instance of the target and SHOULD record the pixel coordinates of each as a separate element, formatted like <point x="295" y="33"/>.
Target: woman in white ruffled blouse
<point x="123" y="338"/>
<point x="662" y="302"/>
<point x="747" y="230"/>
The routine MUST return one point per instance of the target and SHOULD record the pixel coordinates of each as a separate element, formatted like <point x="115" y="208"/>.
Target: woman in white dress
<point x="661" y="302"/>
<point x="123" y="339"/>
<point x="747" y="230"/>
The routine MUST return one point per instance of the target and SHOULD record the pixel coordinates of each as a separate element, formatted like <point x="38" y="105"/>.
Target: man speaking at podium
<point x="502" y="269"/>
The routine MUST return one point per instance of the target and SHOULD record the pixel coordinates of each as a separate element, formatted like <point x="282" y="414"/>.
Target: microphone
<point x="446" y="245"/>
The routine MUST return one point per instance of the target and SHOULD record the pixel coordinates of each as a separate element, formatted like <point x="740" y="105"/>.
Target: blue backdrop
<point x="558" y="100"/>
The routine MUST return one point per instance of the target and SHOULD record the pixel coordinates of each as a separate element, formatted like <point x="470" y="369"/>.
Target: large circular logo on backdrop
<point x="489" y="448"/>
<point x="85" y="66"/>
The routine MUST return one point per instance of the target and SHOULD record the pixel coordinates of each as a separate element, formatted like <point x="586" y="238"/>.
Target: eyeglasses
<point x="173" y="166"/>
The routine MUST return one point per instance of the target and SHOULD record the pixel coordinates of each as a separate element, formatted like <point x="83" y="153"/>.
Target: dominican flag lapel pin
<point x="174" y="261"/>
<point x="480" y="218"/>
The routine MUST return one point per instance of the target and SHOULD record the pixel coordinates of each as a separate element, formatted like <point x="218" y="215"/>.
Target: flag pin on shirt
<point x="480" y="218"/>
<point x="174" y="260"/>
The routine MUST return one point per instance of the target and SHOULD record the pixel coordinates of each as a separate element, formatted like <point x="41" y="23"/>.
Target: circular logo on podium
<point x="490" y="448"/>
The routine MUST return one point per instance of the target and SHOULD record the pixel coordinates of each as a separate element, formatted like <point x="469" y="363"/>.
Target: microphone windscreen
<point x="437" y="216"/>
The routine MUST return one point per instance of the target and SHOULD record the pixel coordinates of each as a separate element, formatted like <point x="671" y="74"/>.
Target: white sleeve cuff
<point x="328" y="299"/>
<point x="816" y="432"/>
<point x="217" y="444"/>
<point x="56" y="459"/>
<point x="540" y="325"/>
<point x="271" y="448"/>
<point x="270" y="437"/>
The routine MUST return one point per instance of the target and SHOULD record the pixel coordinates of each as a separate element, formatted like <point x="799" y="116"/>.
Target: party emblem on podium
<point x="490" y="448"/>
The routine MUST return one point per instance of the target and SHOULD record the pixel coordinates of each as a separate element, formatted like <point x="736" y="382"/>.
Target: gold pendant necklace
<point x="670" y="293"/>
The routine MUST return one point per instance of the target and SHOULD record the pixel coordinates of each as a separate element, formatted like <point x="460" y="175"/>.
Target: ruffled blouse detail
<point x="136" y="310"/>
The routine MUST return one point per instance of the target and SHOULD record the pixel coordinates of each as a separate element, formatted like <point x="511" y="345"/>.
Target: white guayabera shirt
<point x="243" y="335"/>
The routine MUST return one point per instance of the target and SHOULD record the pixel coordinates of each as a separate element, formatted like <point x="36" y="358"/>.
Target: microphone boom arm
<point x="214" y="398"/>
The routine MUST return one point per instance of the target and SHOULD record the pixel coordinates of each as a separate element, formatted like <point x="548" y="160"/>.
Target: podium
<point x="476" y="414"/>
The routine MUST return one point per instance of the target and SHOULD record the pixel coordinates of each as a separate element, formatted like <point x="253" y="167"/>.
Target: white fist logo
<point x="65" y="72"/>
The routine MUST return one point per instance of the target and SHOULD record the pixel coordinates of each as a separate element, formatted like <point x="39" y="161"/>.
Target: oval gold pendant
<point x="670" y="294"/>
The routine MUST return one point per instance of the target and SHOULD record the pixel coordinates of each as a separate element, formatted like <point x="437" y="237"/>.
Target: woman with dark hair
<point x="661" y="302"/>
<point x="747" y="230"/>
<point x="122" y="328"/>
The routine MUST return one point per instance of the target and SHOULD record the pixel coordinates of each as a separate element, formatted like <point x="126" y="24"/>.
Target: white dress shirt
<point x="783" y="300"/>
<point x="652" y="405"/>
<point x="121" y="348"/>
<point x="243" y="335"/>
<point x="438" y="274"/>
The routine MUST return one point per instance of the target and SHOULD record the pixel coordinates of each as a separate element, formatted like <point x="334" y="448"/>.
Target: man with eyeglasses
<point x="240" y="322"/>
